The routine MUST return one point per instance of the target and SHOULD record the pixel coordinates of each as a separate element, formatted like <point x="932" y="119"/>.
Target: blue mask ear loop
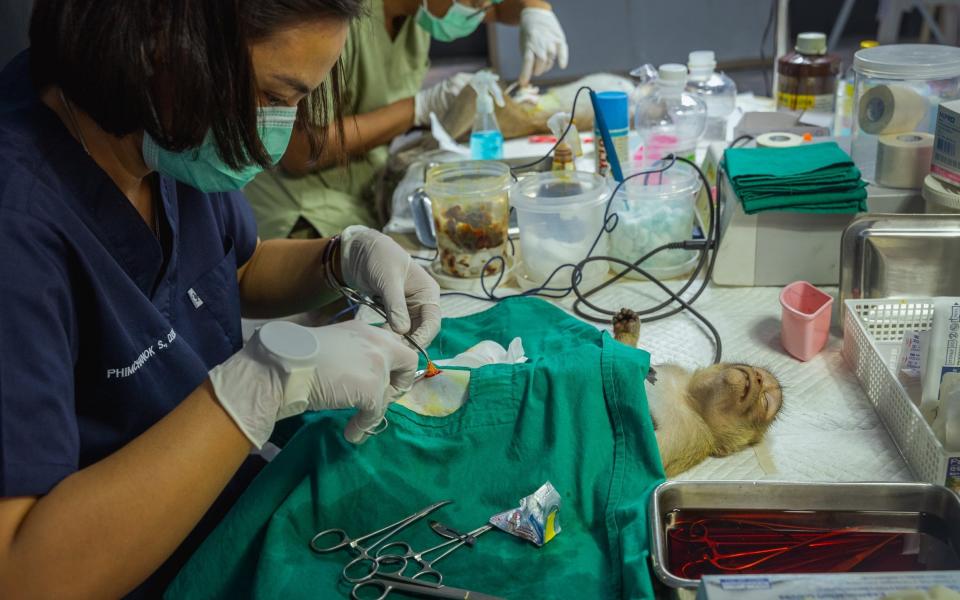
<point x="607" y="141"/>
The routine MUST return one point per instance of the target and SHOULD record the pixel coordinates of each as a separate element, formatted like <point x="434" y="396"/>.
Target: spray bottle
<point x="486" y="141"/>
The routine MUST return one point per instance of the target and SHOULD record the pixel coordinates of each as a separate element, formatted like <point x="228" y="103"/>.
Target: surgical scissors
<point x="363" y="553"/>
<point x="387" y="583"/>
<point x="402" y="555"/>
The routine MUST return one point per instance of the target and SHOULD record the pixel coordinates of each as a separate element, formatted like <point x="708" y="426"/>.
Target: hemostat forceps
<point x="403" y="554"/>
<point x="364" y="553"/>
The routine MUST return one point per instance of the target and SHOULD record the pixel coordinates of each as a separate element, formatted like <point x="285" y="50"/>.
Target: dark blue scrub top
<point x="100" y="334"/>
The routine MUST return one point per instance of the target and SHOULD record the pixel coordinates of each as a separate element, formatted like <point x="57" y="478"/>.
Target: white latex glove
<point x="437" y="99"/>
<point x="377" y="266"/>
<point x="542" y="43"/>
<point x="286" y="369"/>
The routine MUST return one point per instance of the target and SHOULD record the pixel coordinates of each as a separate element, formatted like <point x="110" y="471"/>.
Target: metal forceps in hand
<point x="356" y="297"/>
<point x="387" y="583"/>
<point x="353" y="544"/>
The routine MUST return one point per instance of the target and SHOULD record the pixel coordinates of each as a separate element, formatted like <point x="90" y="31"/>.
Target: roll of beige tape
<point x="903" y="159"/>
<point x="776" y="139"/>
<point x="890" y="109"/>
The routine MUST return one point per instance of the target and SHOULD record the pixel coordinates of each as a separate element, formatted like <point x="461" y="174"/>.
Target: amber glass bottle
<point x="808" y="75"/>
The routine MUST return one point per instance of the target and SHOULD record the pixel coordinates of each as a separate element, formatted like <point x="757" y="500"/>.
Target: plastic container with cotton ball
<point x="718" y="91"/>
<point x="670" y="120"/>
<point x="654" y="210"/>
<point x="486" y="140"/>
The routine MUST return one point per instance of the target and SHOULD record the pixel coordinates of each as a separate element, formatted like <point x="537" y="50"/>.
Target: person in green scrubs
<point x="384" y="62"/>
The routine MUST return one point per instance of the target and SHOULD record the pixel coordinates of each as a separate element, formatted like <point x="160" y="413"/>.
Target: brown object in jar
<point x="472" y="229"/>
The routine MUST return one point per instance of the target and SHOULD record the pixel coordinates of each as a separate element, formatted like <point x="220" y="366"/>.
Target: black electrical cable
<point x="743" y="138"/>
<point x="707" y="258"/>
<point x="706" y="247"/>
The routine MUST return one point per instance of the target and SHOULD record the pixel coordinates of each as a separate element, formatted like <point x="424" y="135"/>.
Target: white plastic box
<point x="872" y="334"/>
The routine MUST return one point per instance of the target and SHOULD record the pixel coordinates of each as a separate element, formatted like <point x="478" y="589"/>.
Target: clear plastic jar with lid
<point x="670" y="120"/>
<point x="897" y="90"/>
<point x="471" y="209"/>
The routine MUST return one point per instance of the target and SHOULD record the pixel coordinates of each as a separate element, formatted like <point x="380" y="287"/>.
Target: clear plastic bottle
<point x="670" y="120"/>
<point x="718" y="91"/>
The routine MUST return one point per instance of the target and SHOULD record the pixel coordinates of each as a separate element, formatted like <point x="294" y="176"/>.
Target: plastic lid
<point x="550" y="191"/>
<point x="615" y="109"/>
<point x="812" y="42"/>
<point x="672" y="74"/>
<point x="291" y="343"/>
<point x="908" y="61"/>
<point x="868" y="44"/>
<point x="941" y="193"/>
<point x="702" y="59"/>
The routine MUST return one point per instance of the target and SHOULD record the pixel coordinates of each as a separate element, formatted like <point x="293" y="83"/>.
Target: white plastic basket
<point x="872" y="333"/>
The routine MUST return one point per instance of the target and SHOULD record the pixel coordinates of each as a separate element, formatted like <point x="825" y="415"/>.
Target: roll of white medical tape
<point x="888" y="109"/>
<point x="777" y="139"/>
<point x="903" y="159"/>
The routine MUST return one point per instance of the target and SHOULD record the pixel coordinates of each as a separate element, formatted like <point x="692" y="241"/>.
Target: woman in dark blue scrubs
<point x="127" y="405"/>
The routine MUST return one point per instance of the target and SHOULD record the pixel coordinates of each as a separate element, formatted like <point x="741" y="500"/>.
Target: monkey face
<point x="738" y="402"/>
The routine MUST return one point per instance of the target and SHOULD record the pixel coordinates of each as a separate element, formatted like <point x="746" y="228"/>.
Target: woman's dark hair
<point x="120" y="60"/>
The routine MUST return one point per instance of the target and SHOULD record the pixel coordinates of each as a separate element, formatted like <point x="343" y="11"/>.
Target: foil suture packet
<point x="537" y="519"/>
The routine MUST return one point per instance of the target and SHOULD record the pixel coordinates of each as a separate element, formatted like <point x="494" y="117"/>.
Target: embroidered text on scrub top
<point x="148" y="353"/>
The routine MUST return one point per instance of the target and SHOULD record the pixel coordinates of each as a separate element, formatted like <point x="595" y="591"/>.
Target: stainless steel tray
<point x="775" y="495"/>
<point x="899" y="256"/>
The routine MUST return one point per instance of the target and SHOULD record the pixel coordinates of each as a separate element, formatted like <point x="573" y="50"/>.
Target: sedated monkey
<point x="713" y="411"/>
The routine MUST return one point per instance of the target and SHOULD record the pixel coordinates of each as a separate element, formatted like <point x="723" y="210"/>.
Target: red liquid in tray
<point x="723" y="542"/>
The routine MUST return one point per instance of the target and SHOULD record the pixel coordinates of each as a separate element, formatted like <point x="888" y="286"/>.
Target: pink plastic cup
<point x="805" y="324"/>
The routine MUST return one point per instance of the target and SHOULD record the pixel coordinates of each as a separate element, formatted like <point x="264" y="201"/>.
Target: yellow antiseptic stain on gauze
<point x="438" y="396"/>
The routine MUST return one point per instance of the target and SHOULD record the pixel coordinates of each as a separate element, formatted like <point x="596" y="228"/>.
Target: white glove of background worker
<point x="437" y="99"/>
<point x="542" y="43"/>
<point x="377" y="266"/>
<point x="286" y="369"/>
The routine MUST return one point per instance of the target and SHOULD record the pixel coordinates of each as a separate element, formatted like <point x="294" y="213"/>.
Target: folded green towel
<point x="818" y="178"/>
